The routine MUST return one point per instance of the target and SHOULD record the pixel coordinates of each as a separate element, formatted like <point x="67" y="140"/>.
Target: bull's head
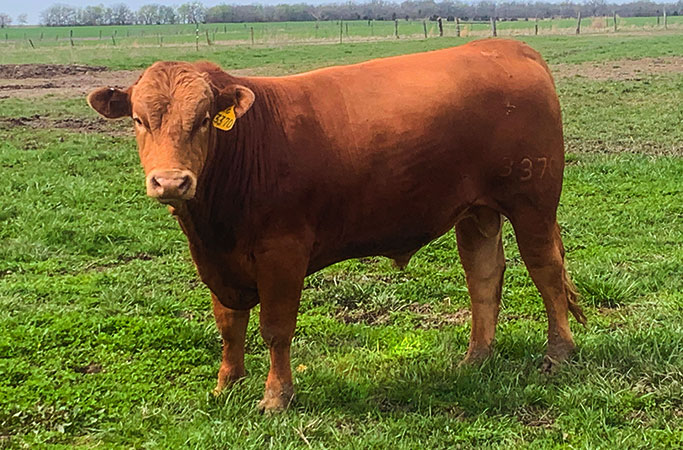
<point x="172" y="106"/>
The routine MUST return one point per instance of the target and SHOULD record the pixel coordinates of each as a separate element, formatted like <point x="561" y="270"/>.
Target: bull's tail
<point x="573" y="299"/>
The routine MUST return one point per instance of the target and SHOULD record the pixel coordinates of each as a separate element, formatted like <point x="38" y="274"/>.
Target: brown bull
<point x="377" y="158"/>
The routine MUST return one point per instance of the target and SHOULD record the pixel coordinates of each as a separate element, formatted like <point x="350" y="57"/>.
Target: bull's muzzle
<point x="170" y="185"/>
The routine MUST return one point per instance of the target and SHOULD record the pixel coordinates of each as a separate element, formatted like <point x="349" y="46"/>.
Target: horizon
<point x="33" y="8"/>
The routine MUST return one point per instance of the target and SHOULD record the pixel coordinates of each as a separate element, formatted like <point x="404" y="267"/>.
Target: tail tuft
<point x="573" y="299"/>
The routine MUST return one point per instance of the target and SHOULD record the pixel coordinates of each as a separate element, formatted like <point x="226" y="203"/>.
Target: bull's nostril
<point x="185" y="184"/>
<point x="155" y="183"/>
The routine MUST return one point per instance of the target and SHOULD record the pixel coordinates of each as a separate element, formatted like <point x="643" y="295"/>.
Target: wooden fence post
<point x="341" y="31"/>
<point x="664" y="12"/>
<point x="440" y="27"/>
<point x="578" y="23"/>
<point x="251" y="33"/>
<point x="424" y="27"/>
<point x="113" y="41"/>
<point x="71" y="37"/>
<point x="208" y="42"/>
<point x="196" y="37"/>
<point x="494" y="33"/>
<point x="457" y="27"/>
<point x="31" y="42"/>
<point x="615" y="21"/>
<point x="536" y="27"/>
<point x="396" y="28"/>
<point x="346" y="26"/>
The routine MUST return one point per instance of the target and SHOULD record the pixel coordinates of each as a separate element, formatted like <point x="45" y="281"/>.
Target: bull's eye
<point x="205" y="122"/>
<point x="137" y="120"/>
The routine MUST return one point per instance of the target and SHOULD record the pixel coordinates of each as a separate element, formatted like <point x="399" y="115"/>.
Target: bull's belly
<point x="397" y="237"/>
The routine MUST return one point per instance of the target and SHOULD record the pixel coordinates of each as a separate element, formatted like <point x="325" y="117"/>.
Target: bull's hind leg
<point x="232" y="324"/>
<point x="481" y="252"/>
<point x="541" y="248"/>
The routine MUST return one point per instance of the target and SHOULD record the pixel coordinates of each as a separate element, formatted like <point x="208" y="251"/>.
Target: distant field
<point x="107" y="337"/>
<point x="283" y="32"/>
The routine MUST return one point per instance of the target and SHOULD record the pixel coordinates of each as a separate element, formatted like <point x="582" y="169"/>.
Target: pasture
<point x="107" y="337"/>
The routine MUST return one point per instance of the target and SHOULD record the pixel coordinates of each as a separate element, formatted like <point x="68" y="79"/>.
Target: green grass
<point x="107" y="338"/>
<point x="310" y="30"/>
<point x="281" y="59"/>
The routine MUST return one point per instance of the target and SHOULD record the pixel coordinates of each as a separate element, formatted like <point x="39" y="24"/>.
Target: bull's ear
<point x="111" y="103"/>
<point x="240" y="96"/>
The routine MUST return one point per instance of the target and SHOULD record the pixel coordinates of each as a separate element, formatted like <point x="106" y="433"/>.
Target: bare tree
<point x="5" y="20"/>
<point x="22" y="19"/>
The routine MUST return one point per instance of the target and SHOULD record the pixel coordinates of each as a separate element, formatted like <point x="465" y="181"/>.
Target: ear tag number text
<point x="225" y="119"/>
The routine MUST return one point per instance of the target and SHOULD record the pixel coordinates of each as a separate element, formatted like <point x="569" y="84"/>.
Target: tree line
<point x="196" y="12"/>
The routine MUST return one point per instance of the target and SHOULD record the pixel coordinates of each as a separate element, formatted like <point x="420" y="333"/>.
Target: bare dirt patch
<point x="22" y="71"/>
<point x="620" y="70"/>
<point x="425" y="316"/>
<point x="37" y="80"/>
<point x="66" y="80"/>
<point x="96" y="125"/>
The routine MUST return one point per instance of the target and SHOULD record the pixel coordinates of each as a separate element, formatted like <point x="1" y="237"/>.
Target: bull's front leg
<point x="280" y="275"/>
<point x="232" y="324"/>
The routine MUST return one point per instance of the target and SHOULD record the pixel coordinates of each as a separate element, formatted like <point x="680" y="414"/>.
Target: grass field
<point x="293" y="32"/>
<point x="107" y="338"/>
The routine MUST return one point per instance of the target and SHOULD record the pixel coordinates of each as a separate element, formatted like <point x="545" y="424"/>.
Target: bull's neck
<point x="239" y="175"/>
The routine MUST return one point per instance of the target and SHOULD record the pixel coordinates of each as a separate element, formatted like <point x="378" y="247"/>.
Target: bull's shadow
<point x="508" y="383"/>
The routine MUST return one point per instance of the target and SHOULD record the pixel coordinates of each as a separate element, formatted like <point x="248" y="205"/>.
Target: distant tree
<point x="221" y="13"/>
<point x="5" y="20"/>
<point x="121" y="14"/>
<point x="92" y="15"/>
<point x="59" y="15"/>
<point x="191" y="12"/>
<point x="167" y="14"/>
<point x="148" y="14"/>
<point x="22" y="19"/>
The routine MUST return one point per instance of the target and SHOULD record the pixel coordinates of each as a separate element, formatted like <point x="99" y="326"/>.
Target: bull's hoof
<point x="274" y="402"/>
<point x="556" y="356"/>
<point x="475" y="357"/>
<point x="225" y="381"/>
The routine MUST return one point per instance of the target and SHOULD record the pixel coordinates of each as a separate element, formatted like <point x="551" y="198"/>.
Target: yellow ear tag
<point x="225" y="119"/>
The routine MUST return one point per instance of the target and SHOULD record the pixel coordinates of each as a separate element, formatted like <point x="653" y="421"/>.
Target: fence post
<point x="113" y="41"/>
<point x="615" y="21"/>
<point x="196" y="36"/>
<point x="457" y="27"/>
<point x="424" y="27"/>
<point x="578" y="23"/>
<point x="208" y="42"/>
<point x="493" y="27"/>
<point x="396" y="28"/>
<point x="71" y="37"/>
<point x="41" y="35"/>
<point x="31" y="42"/>
<point x="341" y="31"/>
<point x="251" y="33"/>
<point x="347" y="29"/>
<point x="665" y="25"/>
<point x="100" y="35"/>
<point x="161" y="40"/>
<point x="440" y="27"/>
<point x="536" y="27"/>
